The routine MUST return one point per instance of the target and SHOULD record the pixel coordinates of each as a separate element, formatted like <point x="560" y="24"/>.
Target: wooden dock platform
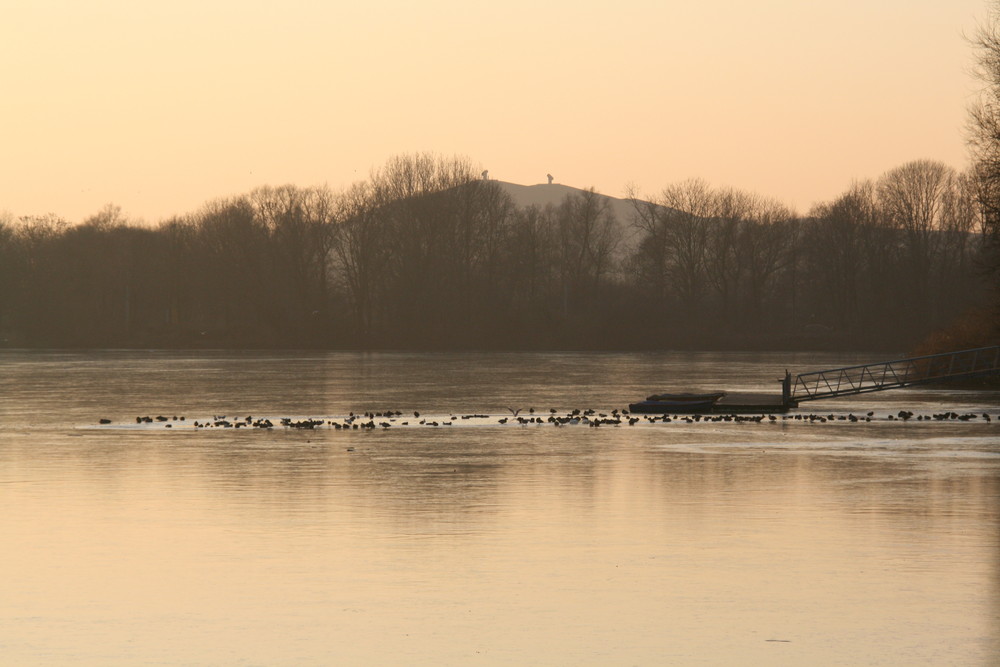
<point x="832" y="383"/>
<point x="742" y="403"/>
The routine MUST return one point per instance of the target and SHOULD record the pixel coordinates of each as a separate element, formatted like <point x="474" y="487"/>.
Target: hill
<point x="544" y="194"/>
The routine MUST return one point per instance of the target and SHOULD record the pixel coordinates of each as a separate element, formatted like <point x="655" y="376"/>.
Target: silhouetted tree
<point x="361" y="257"/>
<point x="10" y="272"/>
<point x="670" y="262"/>
<point x="764" y="245"/>
<point x="836" y="245"/>
<point x="587" y="240"/>
<point x="984" y="141"/>
<point x="425" y="253"/>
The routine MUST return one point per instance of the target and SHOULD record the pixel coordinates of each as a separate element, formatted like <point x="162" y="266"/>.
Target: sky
<point x="159" y="107"/>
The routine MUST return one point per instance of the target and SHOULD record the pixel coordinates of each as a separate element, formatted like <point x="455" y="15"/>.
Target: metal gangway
<point x="894" y="374"/>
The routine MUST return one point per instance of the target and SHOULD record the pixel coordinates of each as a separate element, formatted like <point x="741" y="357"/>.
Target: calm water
<point x="791" y="543"/>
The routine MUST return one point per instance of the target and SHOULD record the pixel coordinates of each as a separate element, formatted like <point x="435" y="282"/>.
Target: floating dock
<point x="851" y="380"/>
<point x="743" y="403"/>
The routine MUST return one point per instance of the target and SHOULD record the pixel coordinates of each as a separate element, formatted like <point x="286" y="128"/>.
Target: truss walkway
<point x="893" y="374"/>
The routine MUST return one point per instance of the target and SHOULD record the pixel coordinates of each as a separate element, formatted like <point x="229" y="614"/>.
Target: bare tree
<point x="912" y="198"/>
<point x="837" y="246"/>
<point x="299" y="223"/>
<point x="675" y="228"/>
<point x="957" y="275"/>
<point x="361" y="256"/>
<point x="765" y="243"/>
<point x="724" y="259"/>
<point x="587" y="240"/>
<point x="984" y="141"/>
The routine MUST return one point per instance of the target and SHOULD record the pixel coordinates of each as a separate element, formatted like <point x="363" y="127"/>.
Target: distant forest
<point x="426" y="254"/>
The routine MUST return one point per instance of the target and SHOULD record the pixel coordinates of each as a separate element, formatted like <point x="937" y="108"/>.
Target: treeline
<point x="882" y="265"/>
<point x="427" y="255"/>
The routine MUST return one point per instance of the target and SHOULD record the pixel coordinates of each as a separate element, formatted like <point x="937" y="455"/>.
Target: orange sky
<point x="160" y="107"/>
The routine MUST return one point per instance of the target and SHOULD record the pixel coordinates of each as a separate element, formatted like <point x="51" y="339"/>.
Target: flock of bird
<point x="591" y="418"/>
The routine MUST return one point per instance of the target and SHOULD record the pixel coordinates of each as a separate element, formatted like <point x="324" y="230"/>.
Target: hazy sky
<point x="159" y="107"/>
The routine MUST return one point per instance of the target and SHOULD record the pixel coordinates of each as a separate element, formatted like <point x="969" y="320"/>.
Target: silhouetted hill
<point x="544" y="194"/>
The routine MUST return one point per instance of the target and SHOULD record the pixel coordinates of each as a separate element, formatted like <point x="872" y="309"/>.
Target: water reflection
<point x="852" y="544"/>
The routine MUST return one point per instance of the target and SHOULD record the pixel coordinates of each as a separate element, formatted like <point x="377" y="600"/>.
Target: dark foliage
<point x="425" y="255"/>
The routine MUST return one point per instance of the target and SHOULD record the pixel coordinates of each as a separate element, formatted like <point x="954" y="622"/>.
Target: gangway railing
<point x="893" y="374"/>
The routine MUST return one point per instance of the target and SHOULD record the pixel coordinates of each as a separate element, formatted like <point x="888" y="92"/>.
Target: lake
<point x="785" y="542"/>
